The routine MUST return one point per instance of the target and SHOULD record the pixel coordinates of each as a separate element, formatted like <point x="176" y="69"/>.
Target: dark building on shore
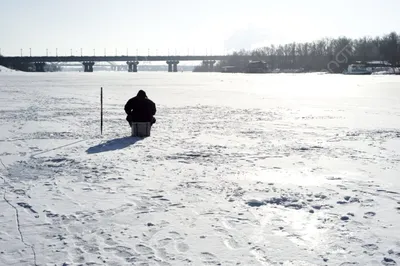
<point x="251" y="67"/>
<point x="256" y="67"/>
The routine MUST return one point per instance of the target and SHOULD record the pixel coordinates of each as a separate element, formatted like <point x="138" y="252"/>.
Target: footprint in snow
<point x="28" y="207"/>
<point x="174" y="239"/>
<point x="110" y="242"/>
<point x="231" y="243"/>
<point x="49" y="214"/>
<point x="208" y="256"/>
<point x="165" y="241"/>
<point x="260" y="255"/>
<point x="19" y="192"/>
<point x="181" y="247"/>
<point x="369" y="214"/>
<point x="395" y="253"/>
<point x="121" y="251"/>
<point x="388" y="262"/>
<point x="370" y="247"/>
<point x="91" y="249"/>
<point x="142" y="249"/>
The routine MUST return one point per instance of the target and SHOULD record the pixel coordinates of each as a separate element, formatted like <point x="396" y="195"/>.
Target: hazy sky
<point x="187" y="26"/>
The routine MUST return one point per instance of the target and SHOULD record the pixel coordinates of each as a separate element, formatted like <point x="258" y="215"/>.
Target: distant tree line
<point x="325" y="54"/>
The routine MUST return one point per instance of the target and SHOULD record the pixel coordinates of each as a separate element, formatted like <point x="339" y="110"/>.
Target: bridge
<point x="132" y="61"/>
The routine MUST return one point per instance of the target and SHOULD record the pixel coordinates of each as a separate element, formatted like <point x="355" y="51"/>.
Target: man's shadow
<point x="114" y="144"/>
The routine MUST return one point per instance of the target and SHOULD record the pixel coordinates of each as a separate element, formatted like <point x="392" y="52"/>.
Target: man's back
<point x="140" y="109"/>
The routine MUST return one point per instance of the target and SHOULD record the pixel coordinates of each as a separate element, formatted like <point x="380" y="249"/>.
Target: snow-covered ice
<point x="280" y="169"/>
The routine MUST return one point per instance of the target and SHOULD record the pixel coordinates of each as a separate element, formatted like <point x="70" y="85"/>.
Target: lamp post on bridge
<point x="56" y="52"/>
<point x="21" y="52"/>
<point x="47" y="52"/>
<point x="81" y="52"/>
<point x="30" y="52"/>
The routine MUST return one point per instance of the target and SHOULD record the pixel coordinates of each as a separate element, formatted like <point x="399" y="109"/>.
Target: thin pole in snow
<point x="101" y="110"/>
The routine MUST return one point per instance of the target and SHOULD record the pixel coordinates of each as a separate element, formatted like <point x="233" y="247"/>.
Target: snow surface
<point x="275" y="169"/>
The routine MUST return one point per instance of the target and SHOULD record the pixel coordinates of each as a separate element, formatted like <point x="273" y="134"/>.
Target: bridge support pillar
<point x="39" y="66"/>
<point x="88" y="66"/>
<point x="172" y="65"/>
<point x="209" y="65"/>
<point x="175" y="68"/>
<point x="169" y="62"/>
<point x="132" y="66"/>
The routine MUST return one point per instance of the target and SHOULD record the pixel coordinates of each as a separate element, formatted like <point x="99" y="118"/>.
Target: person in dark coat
<point x="140" y="109"/>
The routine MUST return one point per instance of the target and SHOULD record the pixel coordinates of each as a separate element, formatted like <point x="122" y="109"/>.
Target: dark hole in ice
<point x="344" y="218"/>
<point x="255" y="203"/>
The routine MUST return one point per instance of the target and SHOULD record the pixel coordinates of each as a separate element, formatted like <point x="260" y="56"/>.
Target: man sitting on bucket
<point x="140" y="109"/>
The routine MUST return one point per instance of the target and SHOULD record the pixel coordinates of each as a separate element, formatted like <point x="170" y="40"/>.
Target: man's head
<point x="141" y="94"/>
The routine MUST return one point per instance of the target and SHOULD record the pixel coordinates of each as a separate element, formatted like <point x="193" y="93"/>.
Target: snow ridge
<point x="17" y="216"/>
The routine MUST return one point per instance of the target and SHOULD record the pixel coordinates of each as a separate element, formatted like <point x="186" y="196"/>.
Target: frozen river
<point x="275" y="169"/>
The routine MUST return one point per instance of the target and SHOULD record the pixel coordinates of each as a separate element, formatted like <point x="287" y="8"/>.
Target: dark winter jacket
<point x="140" y="109"/>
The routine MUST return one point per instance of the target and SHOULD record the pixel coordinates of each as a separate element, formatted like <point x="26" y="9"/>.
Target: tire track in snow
<point x="17" y="216"/>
